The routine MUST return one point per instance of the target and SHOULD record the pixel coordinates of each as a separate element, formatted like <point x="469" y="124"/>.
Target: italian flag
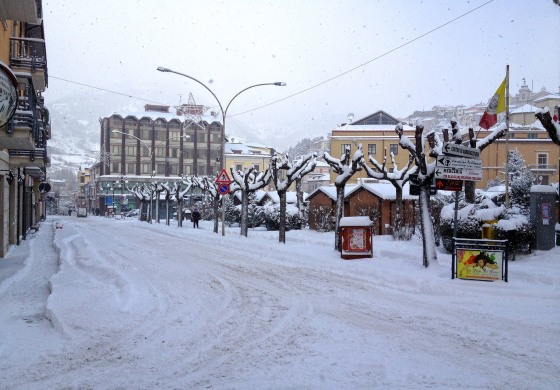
<point x="497" y="104"/>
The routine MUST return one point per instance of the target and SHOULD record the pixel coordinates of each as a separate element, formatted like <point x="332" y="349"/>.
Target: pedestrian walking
<point x="195" y="218"/>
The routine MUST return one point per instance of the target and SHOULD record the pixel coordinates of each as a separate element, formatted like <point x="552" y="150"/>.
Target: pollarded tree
<point x="143" y="193"/>
<point x="425" y="175"/>
<point x="397" y="178"/>
<point x="294" y="171"/>
<point x="178" y="194"/>
<point x="345" y="168"/>
<point x="551" y="127"/>
<point x="248" y="182"/>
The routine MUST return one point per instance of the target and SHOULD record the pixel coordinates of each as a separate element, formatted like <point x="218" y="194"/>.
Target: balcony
<point x="21" y="10"/>
<point x="544" y="168"/>
<point x="27" y="129"/>
<point x="29" y="158"/>
<point x="30" y="55"/>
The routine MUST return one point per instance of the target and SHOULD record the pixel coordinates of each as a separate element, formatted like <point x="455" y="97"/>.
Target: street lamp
<point x="122" y="180"/>
<point x="224" y="113"/>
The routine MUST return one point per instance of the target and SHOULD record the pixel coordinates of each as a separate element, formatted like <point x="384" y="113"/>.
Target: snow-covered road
<point x="139" y="306"/>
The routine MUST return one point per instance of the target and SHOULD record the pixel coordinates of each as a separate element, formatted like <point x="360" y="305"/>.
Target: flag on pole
<point x="497" y="104"/>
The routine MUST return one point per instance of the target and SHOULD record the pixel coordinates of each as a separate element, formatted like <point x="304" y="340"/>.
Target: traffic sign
<point x="449" y="184"/>
<point x="223" y="177"/>
<point x="458" y="173"/>
<point x="458" y="162"/>
<point x="460" y="150"/>
<point x="223" y="189"/>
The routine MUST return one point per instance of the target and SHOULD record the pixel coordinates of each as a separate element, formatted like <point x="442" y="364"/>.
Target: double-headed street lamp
<point x="224" y="113"/>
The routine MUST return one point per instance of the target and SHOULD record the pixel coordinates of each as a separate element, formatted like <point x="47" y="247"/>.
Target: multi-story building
<point x="156" y="145"/>
<point x="241" y="156"/>
<point x="24" y="119"/>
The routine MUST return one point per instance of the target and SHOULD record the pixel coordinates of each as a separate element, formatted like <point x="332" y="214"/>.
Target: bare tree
<point x="425" y="175"/>
<point x="249" y="181"/>
<point x="345" y="168"/>
<point x="397" y="178"/>
<point x="178" y="193"/>
<point x="294" y="171"/>
<point x="551" y="127"/>
<point x="143" y="193"/>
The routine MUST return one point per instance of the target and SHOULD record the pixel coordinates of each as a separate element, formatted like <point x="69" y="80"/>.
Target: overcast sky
<point x="335" y="56"/>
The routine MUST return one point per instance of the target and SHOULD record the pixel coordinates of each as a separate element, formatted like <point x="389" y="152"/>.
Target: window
<point x="174" y="152"/>
<point x="115" y="167"/>
<point x="173" y="169"/>
<point x="372" y="149"/>
<point x="146" y="169"/>
<point x="201" y="153"/>
<point x="187" y="169"/>
<point x="187" y="153"/>
<point x="532" y="135"/>
<point x="116" y="150"/>
<point x="130" y="122"/>
<point x="239" y="167"/>
<point x="256" y="167"/>
<point x="131" y="168"/>
<point x="146" y="134"/>
<point x="394" y="148"/>
<point x="542" y="160"/>
<point x="161" y="135"/>
<point x="145" y="152"/>
<point x="343" y="148"/>
<point x="160" y="169"/>
<point x="160" y="152"/>
<point x="131" y="150"/>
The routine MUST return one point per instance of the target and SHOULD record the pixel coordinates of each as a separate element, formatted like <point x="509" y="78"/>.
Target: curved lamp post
<point x="224" y="113"/>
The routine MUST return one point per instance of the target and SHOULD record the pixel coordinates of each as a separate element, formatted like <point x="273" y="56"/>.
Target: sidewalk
<point x="18" y="255"/>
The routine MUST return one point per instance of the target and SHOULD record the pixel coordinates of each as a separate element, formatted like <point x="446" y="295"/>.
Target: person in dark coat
<point x="195" y="218"/>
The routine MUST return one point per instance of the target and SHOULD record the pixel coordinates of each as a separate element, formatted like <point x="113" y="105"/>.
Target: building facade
<point x="24" y="119"/>
<point x="376" y="133"/>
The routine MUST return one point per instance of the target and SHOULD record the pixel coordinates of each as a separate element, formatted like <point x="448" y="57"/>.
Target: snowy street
<point x="122" y="304"/>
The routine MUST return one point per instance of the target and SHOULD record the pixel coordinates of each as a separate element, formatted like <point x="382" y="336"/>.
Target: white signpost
<point x="460" y="150"/>
<point x="467" y="167"/>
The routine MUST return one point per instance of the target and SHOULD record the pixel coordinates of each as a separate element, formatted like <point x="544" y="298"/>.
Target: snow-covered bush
<point x="470" y="219"/>
<point x="293" y="219"/>
<point x="255" y="215"/>
<point x="518" y="230"/>
<point x="232" y="212"/>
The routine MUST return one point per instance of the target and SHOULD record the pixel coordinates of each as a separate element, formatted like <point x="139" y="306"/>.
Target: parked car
<point x="82" y="212"/>
<point x="132" y="213"/>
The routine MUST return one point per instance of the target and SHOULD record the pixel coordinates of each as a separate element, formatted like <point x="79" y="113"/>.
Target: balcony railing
<point x="543" y="167"/>
<point x="29" y="53"/>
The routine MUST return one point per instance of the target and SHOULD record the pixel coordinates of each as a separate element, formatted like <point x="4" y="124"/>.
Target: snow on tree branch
<point x="551" y="127"/>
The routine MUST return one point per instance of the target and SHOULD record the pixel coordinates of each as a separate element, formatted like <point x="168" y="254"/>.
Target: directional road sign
<point x="458" y="162"/>
<point x="449" y="184"/>
<point x="460" y="150"/>
<point x="458" y="173"/>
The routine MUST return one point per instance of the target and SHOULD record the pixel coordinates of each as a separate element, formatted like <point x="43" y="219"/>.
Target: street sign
<point x="449" y="184"/>
<point x="458" y="173"/>
<point x="460" y="150"/>
<point x="458" y="162"/>
<point x="223" y="177"/>
<point x="223" y="188"/>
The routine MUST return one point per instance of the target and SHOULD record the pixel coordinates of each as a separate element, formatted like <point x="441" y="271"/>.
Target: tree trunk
<point x="282" y="227"/>
<point x="180" y="212"/>
<point x="397" y="231"/>
<point x="244" y="212"/>
<point x="428" y="237"/>
<point x="339" y="215"/>
<point x="469" y="192"/>
<point x="215" y="205"/>
<point x="157" y="206"/>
